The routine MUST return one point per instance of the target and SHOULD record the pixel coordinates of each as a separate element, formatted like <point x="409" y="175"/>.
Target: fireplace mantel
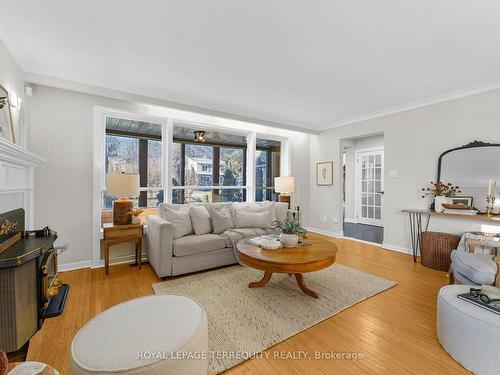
<point x="17" y="179"/>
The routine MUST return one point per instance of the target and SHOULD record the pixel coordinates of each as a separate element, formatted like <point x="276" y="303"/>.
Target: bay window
<point x="213" y="171"/>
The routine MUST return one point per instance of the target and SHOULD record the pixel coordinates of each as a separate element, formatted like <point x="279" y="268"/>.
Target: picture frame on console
<point x="465" y="200"/>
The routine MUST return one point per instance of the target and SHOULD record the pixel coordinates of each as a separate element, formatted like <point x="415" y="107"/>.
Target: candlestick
<point x="490" y="203"/>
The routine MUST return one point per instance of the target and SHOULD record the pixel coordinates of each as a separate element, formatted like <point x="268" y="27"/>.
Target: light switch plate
<point x="393" y="173"/>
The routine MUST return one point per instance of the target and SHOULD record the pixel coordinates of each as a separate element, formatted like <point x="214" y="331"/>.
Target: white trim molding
<point x="64" y="267"/>
<point x="397" y="248"/>
<point x="339" y="234"/>
<point x="175" y="109"/>
<point x="494" y="85"/>
<point x="17" y="180"/>
<point x="18" y="155"/>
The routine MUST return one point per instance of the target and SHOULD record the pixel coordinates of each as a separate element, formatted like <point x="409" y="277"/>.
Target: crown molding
<point x="417" y="104"/>
<point x="16" y="154"/>
<point x="39" y="79"/>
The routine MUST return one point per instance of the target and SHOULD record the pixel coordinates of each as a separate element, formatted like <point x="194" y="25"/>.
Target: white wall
<point x="62" y="131"/>
<point x="351" y="147"/>
<point x="413" y="141"/>
<point x="12" y="78"/>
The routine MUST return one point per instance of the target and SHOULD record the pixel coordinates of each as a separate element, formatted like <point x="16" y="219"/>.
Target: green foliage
<point x="289" y="226"/>
<point x="3" y="101"/>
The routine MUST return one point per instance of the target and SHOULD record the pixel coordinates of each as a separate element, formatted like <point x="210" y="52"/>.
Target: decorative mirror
<point x="471" y="167"/>
<point x="6" y="127"/>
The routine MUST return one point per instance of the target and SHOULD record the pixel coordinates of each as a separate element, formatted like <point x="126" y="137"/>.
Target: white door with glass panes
<point x="370" y="187"/>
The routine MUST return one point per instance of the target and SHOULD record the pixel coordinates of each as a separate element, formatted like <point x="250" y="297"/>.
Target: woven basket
<point x="436" y="249"/>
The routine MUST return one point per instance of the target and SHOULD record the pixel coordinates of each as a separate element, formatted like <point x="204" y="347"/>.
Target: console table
<point x="417" y="217"/>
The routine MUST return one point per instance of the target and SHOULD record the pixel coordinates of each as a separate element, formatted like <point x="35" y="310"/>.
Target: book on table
<point x="493" y="307"/>
<point x="460" y="212"/>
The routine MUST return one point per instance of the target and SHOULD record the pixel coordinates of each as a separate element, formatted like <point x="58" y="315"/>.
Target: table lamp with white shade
<point x="285" y="185"/>
<point x="122" y="185"/>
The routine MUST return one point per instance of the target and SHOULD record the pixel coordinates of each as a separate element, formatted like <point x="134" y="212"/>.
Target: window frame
<point x="143" y="158"/>
<point x="215" y="187"/>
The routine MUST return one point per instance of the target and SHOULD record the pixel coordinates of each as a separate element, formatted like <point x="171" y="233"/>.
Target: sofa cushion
<point x="200" y="220"/>
<point x="193" y="244"/>
<point x="480" y="268"/>
<point x="180" y="220"/>
<point x="252" y="219"/>
<point x="221" y="220"/>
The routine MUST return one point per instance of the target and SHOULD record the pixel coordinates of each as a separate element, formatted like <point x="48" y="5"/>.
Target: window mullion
<point x="143" y="171"/>
<point x="250" y="166"/>
<point x="215" y="172"/>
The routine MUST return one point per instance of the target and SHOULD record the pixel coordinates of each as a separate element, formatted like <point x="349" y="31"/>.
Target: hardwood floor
<point x="395" y="330"/>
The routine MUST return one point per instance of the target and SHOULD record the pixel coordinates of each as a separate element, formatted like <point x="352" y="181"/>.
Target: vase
<point x="289" y="239"/>
<point x="439" y="201"/>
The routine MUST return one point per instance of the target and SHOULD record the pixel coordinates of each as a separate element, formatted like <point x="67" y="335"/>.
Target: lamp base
<point x="122" y="211"/>
<point x="284" y="198"/>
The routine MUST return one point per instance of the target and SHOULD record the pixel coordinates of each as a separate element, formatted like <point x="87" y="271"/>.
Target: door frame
<point x="357" y="188"/>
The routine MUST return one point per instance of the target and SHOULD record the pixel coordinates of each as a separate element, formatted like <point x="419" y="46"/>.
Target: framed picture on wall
<point x="6" y="128"/>
<point x="324" y="173"/>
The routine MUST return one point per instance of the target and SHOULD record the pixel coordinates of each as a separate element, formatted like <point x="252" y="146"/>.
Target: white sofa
<point x="171" y="256"/>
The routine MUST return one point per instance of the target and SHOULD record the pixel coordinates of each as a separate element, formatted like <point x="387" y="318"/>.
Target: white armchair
<point x="476" y="261"/>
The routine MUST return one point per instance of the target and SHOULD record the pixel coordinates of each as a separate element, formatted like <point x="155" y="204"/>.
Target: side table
<point x="115" y="234"/>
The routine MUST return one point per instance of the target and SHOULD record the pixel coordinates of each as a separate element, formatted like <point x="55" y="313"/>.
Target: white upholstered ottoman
<point x="165" y="334"/>
<point x="470" y="334"/>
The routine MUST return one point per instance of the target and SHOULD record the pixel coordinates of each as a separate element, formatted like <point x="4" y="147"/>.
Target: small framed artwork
<point x="465" y="200"/>
<point x="6" y="128"/>
<point x="324" y="173"/>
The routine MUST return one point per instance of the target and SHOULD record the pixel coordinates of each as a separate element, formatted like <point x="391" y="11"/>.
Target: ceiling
<point x="309" y="64"/>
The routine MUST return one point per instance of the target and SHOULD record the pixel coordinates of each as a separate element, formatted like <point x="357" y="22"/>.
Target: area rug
<point x="247" y="321"/>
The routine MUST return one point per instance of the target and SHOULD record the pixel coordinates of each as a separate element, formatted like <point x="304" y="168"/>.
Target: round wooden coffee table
<point x="297" y="261"/>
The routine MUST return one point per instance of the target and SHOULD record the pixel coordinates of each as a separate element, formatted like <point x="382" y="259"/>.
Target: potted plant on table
<point x="442" y="194"/>
<point x="290" y="231"/>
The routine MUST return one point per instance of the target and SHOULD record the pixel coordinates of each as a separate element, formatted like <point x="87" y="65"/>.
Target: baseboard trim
<point x="64" y="267"/>
<point x="338" y="234"/>
<point x="397" y="248"/>
<point x="119" y="260"/>
<point x="384" y="245"/>
<point x="74" y="265"/>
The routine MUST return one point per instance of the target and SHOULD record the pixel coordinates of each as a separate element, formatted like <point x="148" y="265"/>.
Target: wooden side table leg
<point x="265" y="279"/>
<point x="138" y="252"/>
<point x="300" y="280"/>
<point x="106" y="257"/>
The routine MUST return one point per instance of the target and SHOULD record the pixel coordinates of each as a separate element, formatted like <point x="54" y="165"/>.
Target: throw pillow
<point x="180" y="220"/>
<point x="281" y="210"/>
<point x="257" y="208"/>
<point x="200" y="220"/>
<point x="221" y="220"/>
<point x="252" y="219"/>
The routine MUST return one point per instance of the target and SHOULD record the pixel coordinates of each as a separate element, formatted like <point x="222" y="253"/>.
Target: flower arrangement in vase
<point x="442" y="194"/>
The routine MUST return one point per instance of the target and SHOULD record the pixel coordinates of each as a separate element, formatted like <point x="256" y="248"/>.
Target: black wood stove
<point x="30" y="290"/>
